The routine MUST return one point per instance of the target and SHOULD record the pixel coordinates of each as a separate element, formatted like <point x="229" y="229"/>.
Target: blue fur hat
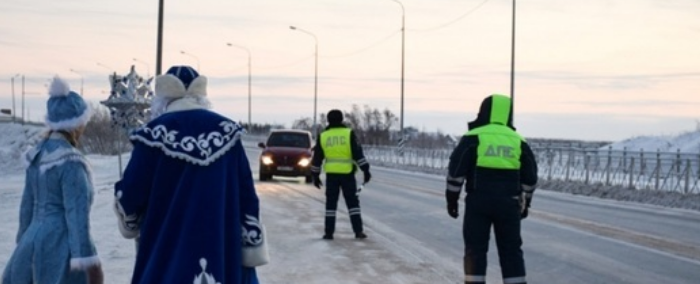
<point x="65" y="109"/>
<point x="186" y="74"/>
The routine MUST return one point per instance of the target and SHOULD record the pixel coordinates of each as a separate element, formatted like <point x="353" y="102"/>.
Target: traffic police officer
<point x="500" y="172"/>
<point x="342" y="153"/>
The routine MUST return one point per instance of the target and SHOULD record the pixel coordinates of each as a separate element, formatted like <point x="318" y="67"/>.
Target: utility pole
<point x="512" y="65"/>
<point x="14" y="113"/>
<point x="22" y="99"/>
<point x="159" y="44"/>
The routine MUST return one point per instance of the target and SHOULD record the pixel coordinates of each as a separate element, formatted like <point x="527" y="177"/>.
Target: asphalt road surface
<point x="567" y="238"/>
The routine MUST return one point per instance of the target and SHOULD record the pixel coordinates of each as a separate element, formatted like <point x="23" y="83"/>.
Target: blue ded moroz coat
<point x="188" y="195"/>
<point x="53" y="241"/>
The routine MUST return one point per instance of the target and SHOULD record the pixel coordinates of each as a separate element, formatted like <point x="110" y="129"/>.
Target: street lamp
<point x="195" y="58"/>
<point x="249" y="79"/>
<point x="106" y="67"/>
<point x="403" y="41"/>
<point x="81" y="81"/>
<point x="148" y="67"/>
<point x="315" y="73"/>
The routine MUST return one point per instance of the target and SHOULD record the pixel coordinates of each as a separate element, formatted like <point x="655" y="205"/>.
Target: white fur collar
<point x="187" y="103"/>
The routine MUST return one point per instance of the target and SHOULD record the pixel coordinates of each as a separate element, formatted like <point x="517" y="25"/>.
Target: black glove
<point x="453" y="209"/>
<point x="368" y="176"/>
<point x="525" y="200"/>
<point x="452" y="198"/>
<point x="317" y="181"/>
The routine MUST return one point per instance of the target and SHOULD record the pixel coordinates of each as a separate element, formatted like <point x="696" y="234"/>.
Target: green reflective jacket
<point x="335" y="143"/>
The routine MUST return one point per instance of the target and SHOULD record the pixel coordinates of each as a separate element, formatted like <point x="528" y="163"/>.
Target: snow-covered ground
<point x="294" y="222"/>
<point x="292" y="217"/>
<point x="686" y="142"/>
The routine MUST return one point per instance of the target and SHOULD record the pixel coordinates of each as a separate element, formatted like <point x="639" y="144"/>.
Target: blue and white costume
<point x="53" y="241"/>
<point x="188" y="194"/>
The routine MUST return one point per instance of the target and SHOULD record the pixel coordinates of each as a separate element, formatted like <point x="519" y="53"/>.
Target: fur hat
<point x="181" y="81"/>
<point x="335" y="116"/>
<point x="65" y="109"/>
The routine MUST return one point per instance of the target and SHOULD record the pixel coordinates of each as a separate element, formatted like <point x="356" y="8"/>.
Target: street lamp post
<point x="159" y="40"/>
<point x="315" y="128"/>
<point x="14" y="110"/>
<point x="22" y="99"/>
<point x="403" y="45"/>
<point x="249" y="80"/>
<point x="148" y="67"/>
<point x="512" y="63"/>
<point x="191" y="55"/>
<point x="81" y="81"/>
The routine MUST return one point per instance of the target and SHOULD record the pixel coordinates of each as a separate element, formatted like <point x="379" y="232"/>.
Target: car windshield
<point x="287" y="139"/>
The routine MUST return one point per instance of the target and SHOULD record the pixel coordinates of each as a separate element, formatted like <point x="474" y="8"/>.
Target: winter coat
<point x="463" y="166"/>
<point x="357" y="153"/>
<point x="188" y="193"/>
<point x="53" y="240"/>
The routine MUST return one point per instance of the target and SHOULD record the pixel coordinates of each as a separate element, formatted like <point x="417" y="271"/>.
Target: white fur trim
<point x="72" y="123"/>
<point x="161" y="105"/>
<point x="170" y="86"/>
<point x="59" y="87"/>
<point x="257" y="255"/>
<point x="129" y="226"/>
<point x="188" y="103"/>
<point x="29" y="156"/>
<point x="83" y="263"/>
<point x="60" y="156"/>
<point x="198" y="87"/>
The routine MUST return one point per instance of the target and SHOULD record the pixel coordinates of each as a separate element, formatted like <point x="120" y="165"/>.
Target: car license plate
<point x="285" y="168"/>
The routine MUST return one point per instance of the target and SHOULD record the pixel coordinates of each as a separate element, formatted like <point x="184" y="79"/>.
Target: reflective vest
<point x="335" y="143"/>
<point x="499" y="147"/>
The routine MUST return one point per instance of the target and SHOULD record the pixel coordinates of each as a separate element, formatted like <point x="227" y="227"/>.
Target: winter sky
<point x="596" y="70"/>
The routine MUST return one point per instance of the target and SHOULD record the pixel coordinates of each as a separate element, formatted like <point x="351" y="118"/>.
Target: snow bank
<point x="688" y="142"/>
<point x="15" y="140"/>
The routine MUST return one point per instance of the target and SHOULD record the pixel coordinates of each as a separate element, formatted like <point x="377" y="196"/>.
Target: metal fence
<point x="667" y="171"/>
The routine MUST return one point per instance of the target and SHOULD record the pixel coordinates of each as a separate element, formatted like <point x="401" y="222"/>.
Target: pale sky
<point x="595" y="70"/>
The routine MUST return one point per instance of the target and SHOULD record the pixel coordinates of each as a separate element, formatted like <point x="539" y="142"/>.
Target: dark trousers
<point x="503" y="213"/>
<point x="335" y="183"/>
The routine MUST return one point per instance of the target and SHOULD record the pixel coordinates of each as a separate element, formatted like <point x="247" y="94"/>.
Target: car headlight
<point x="267" y="160"/>
<point x="304" y="162"/>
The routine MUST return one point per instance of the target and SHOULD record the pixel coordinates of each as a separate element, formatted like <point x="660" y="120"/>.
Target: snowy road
<point x="568" y="239"/>
<point x="572" y="239"/>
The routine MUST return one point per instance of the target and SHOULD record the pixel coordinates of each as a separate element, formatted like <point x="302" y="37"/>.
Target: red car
<point x="286" y="153"/>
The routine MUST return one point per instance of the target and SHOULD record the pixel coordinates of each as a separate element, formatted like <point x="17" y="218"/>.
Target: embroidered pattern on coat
<point x="204" y="277"/>
<point x="252" y="233"/>
<point x="201" y="150"/>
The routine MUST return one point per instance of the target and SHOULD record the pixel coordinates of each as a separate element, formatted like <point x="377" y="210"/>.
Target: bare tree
<point x="304" y="123"/>
<point x="101" y="136"/>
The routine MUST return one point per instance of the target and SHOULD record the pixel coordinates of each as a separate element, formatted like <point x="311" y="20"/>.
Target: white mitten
<point x="128" y="225"/>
